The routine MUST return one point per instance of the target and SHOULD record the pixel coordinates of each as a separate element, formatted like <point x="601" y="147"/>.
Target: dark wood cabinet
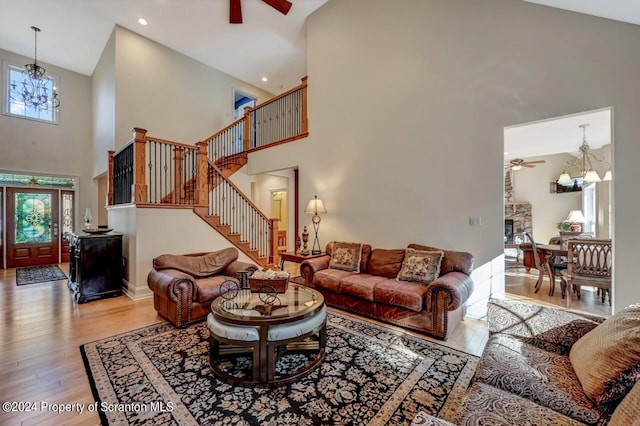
<point x="95" y="266"/>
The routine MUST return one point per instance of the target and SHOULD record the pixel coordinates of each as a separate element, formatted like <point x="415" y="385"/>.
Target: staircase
<point x="153" y="171"/>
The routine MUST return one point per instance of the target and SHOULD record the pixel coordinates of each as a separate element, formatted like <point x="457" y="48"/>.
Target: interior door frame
<point x="10" y="224"/>
<point x="2" y="227"/>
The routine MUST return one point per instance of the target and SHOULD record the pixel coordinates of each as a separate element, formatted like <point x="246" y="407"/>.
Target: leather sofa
<point x="433" y="308"/>
<point x="184" y="286"/>
<point x="544" y="366"/>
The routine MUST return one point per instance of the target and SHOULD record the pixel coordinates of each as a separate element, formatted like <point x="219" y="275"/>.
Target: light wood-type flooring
<point x="43" y="327"/>
<point x="519" y="285"/>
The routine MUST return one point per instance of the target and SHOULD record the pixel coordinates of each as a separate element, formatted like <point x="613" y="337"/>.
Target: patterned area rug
<point x="39" y="274"/>
<point x="371" y="375"/>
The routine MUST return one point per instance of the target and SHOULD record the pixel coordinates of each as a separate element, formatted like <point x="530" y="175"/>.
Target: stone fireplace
<point x="517" y="216"/>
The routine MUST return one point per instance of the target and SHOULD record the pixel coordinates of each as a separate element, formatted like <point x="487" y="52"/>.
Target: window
<point x="589" y="208"/>
<point x="15" y="106"/>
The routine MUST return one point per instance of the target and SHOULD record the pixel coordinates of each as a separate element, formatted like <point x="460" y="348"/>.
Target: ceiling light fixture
<point x="583" y="162"/>
<point x="142" y="21"/>
<point x="33" y="91"/>
<point x="265" y="79"/>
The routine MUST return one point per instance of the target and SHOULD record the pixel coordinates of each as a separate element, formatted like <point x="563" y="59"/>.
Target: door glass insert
<point x="32" y="218"/>
<point x="67" y="212"/>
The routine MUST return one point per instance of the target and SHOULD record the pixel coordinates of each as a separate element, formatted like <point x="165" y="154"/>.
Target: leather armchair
<point x="184" y="286"/>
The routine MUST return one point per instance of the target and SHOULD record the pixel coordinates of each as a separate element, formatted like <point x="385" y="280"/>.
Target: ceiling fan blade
<point x="235" y="12"/>
<point x="281" y="6"/>
<point x="535" y="162"/>
<point x="531" y="166"/>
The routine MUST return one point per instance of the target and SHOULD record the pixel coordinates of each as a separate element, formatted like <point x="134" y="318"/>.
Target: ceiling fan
<point x="235" y="9"/>
<point x="519" y="163"/>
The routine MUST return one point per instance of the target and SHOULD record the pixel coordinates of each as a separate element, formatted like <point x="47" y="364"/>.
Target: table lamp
<point x="576" y="219"/>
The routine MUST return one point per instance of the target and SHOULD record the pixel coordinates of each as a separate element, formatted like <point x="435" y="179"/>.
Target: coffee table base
<point x="265" y="353"/>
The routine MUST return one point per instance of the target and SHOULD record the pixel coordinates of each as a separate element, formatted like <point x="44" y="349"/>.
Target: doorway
<point x="241" y="100"/>
<point x="541" y="151"/>
<point x="33" y="236"/>
<point x="279" y="209"/>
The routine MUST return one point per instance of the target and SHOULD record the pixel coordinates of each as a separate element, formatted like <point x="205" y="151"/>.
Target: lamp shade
<point x="315" y="206"/>
<point x="565" y="179"/>
<point x="575" y="216"/>
<point x="592" y="176"/>
<point x="607" y="176"/>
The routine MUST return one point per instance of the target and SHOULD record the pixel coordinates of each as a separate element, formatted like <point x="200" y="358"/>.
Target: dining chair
<point x="589" y="263"/>
<point x="536" y="259"/>
<point x="557" y="263"/>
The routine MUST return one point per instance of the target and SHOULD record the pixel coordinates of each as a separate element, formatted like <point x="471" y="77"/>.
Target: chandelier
<point x="584" y="163"/>
<point x="33" y="91"/>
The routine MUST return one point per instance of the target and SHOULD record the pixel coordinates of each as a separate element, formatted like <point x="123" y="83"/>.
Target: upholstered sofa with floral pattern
<point x="544" y="366"/>
<point x="421" y="288"/>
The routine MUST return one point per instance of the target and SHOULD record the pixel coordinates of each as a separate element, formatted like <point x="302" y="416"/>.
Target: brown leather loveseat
<point x="185" y="285"/>
<point x="392" y="285"/>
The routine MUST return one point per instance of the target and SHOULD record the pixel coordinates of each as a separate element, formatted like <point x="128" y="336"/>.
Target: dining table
<point x="550" y="252"/>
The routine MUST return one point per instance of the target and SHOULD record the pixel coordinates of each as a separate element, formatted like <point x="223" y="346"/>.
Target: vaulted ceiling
<point x="75" y="32"/>
<point x="268" y="44"/>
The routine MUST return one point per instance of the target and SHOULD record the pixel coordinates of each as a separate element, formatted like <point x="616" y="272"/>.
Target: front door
<point x="32" y="227"/>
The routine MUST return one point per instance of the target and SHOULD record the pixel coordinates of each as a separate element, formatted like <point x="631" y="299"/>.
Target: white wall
<point x="172" y="96"/>
<point x="62" y="149"/>
<point x="407" y="117"/>
<point x="104" y="106"/>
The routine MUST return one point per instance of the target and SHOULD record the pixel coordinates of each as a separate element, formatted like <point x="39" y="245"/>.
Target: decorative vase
<point x="305" y="240"/>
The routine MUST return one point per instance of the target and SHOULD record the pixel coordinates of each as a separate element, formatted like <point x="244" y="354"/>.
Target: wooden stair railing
<point x="156" y="172"/>
<point x="235" y="216"/>
<point x="279" y="120"/>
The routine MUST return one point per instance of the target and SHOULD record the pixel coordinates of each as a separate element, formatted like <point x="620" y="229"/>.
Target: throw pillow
<point x="346" y="256"/>
<point x="460" y="261"/>
<point x="421" y="266"/>
<point x="607" y="359"/>
<point x="628" y="411"/>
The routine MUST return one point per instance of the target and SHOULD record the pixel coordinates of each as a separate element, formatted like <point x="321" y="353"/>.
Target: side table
<point x="296" y="257"/>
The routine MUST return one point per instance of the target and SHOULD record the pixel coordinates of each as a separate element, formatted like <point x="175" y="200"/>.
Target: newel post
<point x="246" y="137"/>
<point x="200" y="189"/>
<point x="178" y="167"/>
<point x="139" y="190"/>
<point x="110" y="179"/>
<point x="304" y="124"/>
<point x="273" y="240"/>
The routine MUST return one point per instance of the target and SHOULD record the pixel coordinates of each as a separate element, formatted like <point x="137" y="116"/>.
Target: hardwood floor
<point x="43" y="328"/>
<point x="519" y="285"/>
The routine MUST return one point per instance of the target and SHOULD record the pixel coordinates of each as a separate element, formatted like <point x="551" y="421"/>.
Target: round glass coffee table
<point x="268" y="325"/>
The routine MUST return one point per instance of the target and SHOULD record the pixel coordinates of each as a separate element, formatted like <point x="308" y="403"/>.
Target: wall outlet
<point x="475" y="220"/>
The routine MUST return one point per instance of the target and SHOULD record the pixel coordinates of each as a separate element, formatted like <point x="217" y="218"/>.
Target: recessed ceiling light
<point x="265" y="79"/>
<point x="142" y="21"/>
<point x="506" y="153"/>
